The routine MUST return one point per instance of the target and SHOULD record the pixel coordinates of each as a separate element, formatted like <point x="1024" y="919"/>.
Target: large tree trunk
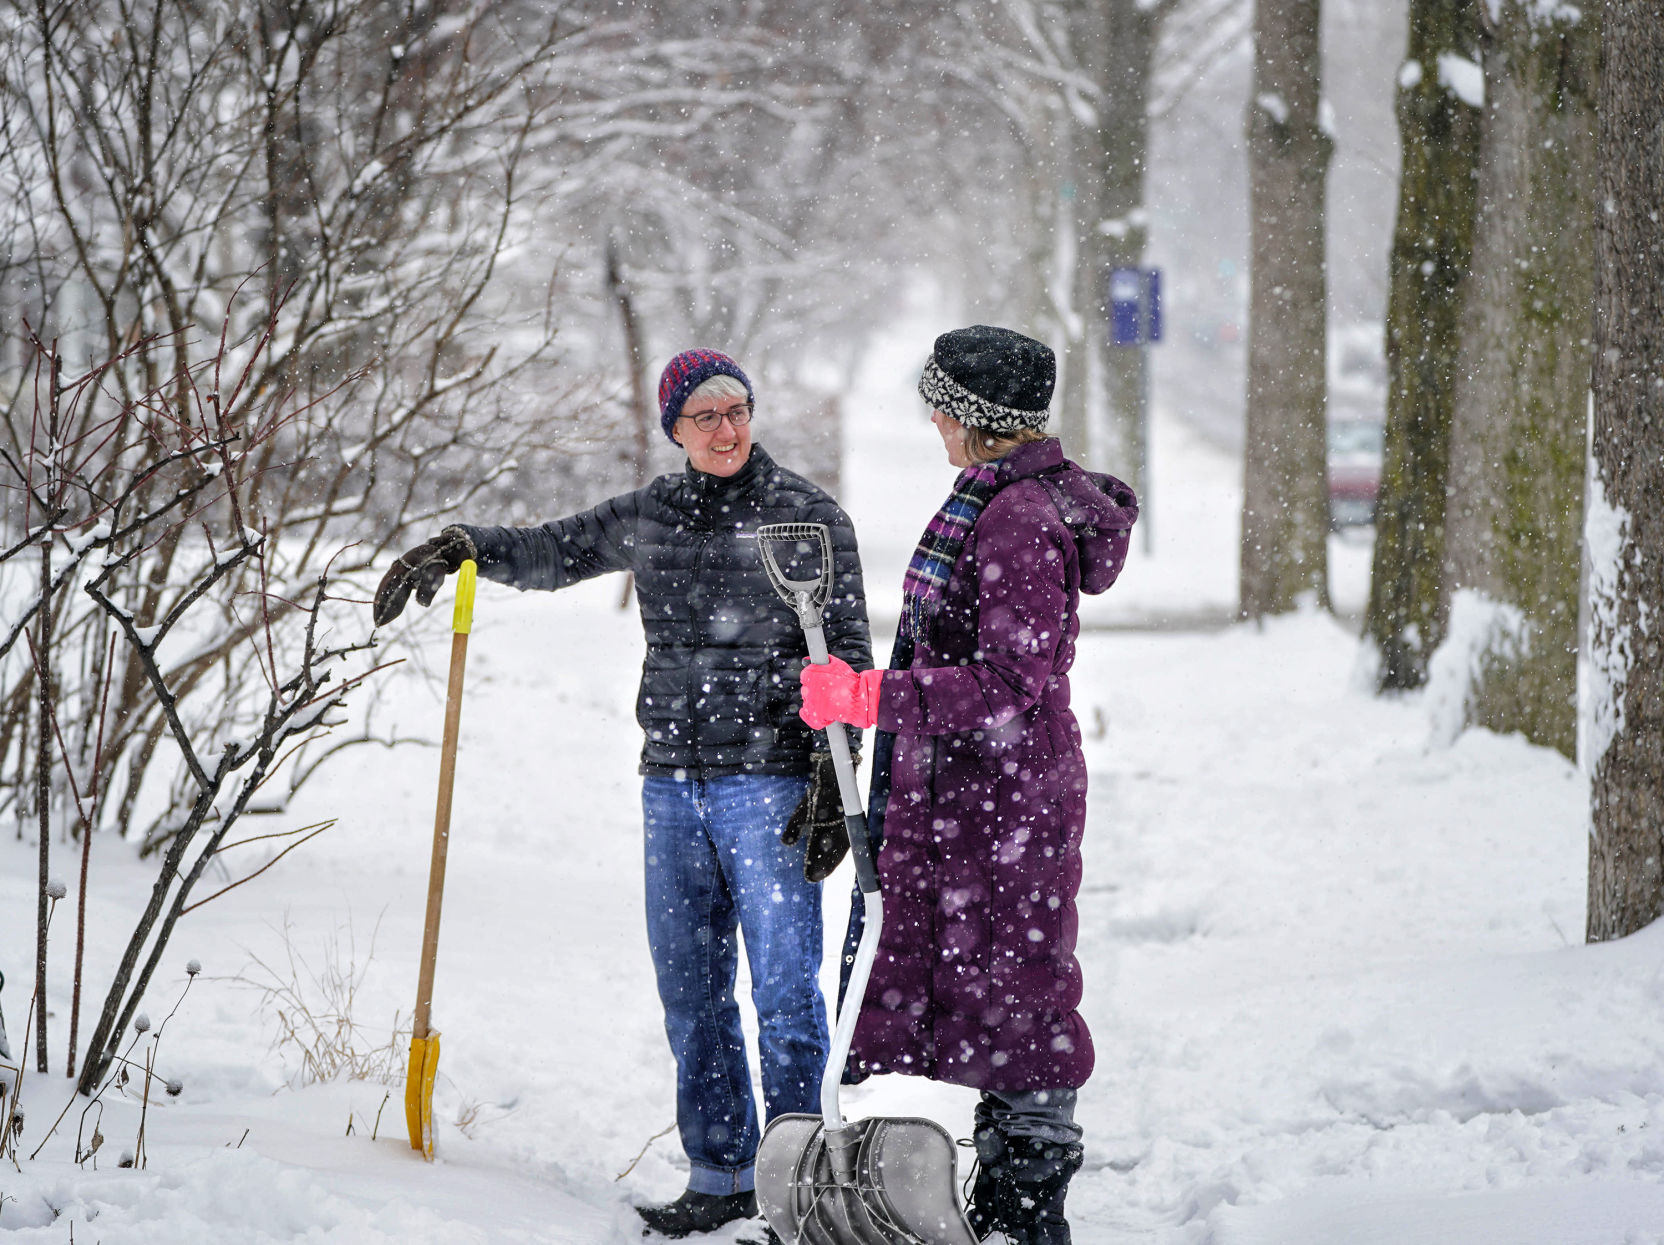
<point x="1104" y="386"/>
<point x="1038" y="291"/>
<point x="1431" y="248"/>
<point x="1285" y="505"/>
<point x="1514" y="508"/>
<point x="1623" y="743"/>
<point x="1080" y="362"/>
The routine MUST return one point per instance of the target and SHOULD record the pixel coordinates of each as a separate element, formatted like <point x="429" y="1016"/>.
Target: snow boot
<point x="698" y="1212"/>
<point x="979" y="1205"/>
<point x="1020" y="1186"/>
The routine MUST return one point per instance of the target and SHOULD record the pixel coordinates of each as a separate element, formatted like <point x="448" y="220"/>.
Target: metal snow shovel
<point x="424" y="1040"/>
<point x="820" y="1180"/>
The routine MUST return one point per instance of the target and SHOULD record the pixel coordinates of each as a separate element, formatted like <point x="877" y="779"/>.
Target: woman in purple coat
<point x="976" y="981"/>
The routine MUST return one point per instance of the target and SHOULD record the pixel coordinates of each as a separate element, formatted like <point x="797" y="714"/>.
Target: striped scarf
<point x="944" y="536"/>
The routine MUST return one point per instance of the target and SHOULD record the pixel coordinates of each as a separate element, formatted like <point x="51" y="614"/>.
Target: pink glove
<point x="835" y="693"/>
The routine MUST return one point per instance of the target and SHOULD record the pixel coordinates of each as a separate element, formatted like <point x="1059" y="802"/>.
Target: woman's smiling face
<point x="724" y="449"/>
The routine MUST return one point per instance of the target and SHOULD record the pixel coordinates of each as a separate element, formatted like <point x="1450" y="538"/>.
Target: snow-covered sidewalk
<point x="1333" y="975"/>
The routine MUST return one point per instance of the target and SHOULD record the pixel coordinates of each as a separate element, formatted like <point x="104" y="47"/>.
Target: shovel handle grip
<point x="462" y="616"/>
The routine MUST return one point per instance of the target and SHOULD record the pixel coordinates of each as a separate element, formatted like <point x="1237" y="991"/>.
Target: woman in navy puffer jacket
<point x="741" y="815"/>
<point x="976" y="981"/>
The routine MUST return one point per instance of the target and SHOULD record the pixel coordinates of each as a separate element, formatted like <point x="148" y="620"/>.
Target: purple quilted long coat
<point x="976" y="980"/>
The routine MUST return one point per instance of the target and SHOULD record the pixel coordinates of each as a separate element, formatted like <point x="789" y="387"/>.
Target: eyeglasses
<point x="738" y="416"/>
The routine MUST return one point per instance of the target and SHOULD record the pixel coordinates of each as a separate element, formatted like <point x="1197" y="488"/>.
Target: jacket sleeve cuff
<point x="467" y="538"/>
<point x="872" y="684"/>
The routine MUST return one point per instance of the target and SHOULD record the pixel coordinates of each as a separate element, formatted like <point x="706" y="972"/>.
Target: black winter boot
<point x="1020" y="1186"/>
<point x="698" y="1212"/>
<point x="990" y="1157"/>
<point x="1051" y="1228"/>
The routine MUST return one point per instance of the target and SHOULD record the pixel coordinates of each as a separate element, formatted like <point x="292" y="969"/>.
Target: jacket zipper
<point x="698" y="647"/>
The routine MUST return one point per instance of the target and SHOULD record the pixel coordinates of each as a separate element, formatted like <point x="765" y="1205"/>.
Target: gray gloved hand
<point x="423" y="568"/>
<point x="820" y="816"/>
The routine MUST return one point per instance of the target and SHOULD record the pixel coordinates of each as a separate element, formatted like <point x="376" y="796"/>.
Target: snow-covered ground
<point x="1334" y="972"/>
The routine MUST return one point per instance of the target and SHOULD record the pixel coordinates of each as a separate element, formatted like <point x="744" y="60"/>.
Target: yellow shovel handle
<point x="462" y="617"/>
<point x="424" y="1044"/>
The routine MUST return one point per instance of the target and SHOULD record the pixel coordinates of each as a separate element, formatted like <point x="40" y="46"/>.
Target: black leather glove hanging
<point x="819" y="817"/>
<point x="423" y="568"/>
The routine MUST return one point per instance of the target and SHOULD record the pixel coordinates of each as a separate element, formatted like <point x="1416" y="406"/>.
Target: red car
<point x="1354" y="471"/>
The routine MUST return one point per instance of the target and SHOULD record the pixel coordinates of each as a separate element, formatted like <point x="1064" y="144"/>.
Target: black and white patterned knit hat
<point x="990" y="378"/>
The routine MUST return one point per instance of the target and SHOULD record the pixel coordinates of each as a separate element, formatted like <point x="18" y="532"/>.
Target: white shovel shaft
<point x="844" y="1033"/>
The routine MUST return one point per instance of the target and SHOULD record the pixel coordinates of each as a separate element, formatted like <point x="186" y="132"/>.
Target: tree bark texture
<point x="1623" y="744"/>
<point x="635" y="361"/>
<point x="43" y="772"/>
<point x="1048" y="248"/>
<point x="635" y="358"/>
<point x="1285" y="504"/>
<point x="43" y="758"/>
<point x="1103" y="385"/>
<point x="1431" y="249"/>
<point x="1518" y="432"/>
<point x="1081" y="202"/>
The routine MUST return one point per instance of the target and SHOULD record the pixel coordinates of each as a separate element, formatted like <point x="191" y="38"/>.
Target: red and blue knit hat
<point x="685" y="373"/>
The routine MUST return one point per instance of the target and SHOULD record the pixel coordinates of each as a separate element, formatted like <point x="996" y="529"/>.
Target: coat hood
<point x="1098" y="509"/>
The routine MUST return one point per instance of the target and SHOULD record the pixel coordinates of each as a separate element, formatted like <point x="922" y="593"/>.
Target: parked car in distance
<point x="1354" y="471"/>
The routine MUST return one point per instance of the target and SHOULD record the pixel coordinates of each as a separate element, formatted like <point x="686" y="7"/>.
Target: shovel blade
<point x="418" y="1092"/>
<point x="879" y="1181"/>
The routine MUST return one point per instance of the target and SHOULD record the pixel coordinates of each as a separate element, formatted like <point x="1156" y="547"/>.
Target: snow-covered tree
<point x="165" y="177"/>
<point x="1285" y="504"/>
<point x="169" y="179"/>
<point x="1440" y="93"/>
<point x="757" y="185"/>
<point x="1515" y="491"/>
<point x="1623" y="659"/>
<point x="102" y="483"/>
<point x="1116" y="42"/>
<point x="1067" y="91"/>
<point x="1006" y="79"/>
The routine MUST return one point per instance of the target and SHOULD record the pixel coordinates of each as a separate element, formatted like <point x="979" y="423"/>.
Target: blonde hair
<point x="986" y="447"/>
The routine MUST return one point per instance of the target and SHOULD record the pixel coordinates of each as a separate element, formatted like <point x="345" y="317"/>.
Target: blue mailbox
<point x="1134" y="306"/>
<point x="1125" y="294"/>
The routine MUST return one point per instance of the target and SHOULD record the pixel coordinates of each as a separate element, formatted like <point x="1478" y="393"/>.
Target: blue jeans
<point x="715" y="866"/>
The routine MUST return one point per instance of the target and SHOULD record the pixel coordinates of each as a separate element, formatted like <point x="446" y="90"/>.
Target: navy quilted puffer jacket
<point x="719" y="691"/>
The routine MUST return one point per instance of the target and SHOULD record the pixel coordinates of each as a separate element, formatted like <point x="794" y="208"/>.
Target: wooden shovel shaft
<point x="442" y="812"/>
